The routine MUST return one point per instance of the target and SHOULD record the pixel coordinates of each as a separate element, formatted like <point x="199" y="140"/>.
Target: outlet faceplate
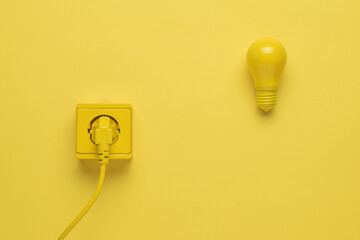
<point x="121" y="113"/>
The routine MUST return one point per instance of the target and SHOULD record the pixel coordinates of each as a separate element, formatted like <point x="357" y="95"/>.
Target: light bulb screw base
<point x="266" y="100"/>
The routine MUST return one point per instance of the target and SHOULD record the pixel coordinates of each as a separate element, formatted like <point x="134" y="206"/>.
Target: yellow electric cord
<point x="88" y="206"/>
<point x="104" y="136"/>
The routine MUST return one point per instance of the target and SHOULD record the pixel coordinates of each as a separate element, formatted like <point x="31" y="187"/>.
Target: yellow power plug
<point x="104" y="133"/>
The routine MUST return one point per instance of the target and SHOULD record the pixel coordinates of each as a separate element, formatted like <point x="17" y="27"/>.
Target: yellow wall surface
<point x="207" y="163"/>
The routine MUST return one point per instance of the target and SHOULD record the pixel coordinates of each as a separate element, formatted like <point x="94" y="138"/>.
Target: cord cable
<point x="88" y="205"/>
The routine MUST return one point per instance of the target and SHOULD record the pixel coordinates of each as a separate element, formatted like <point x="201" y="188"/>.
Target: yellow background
<point x="207" y="163"/>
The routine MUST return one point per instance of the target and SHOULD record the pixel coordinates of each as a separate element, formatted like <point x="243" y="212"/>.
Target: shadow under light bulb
<point x="266" y="58"/>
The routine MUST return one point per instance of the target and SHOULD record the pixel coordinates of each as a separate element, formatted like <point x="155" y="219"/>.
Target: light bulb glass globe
<point x="266" y="58"/>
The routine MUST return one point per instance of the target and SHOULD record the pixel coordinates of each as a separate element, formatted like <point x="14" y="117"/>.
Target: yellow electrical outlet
<point x="87" y="113"/>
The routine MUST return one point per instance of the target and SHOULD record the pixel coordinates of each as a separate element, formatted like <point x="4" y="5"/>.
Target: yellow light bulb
<point x="266" y="59"/>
